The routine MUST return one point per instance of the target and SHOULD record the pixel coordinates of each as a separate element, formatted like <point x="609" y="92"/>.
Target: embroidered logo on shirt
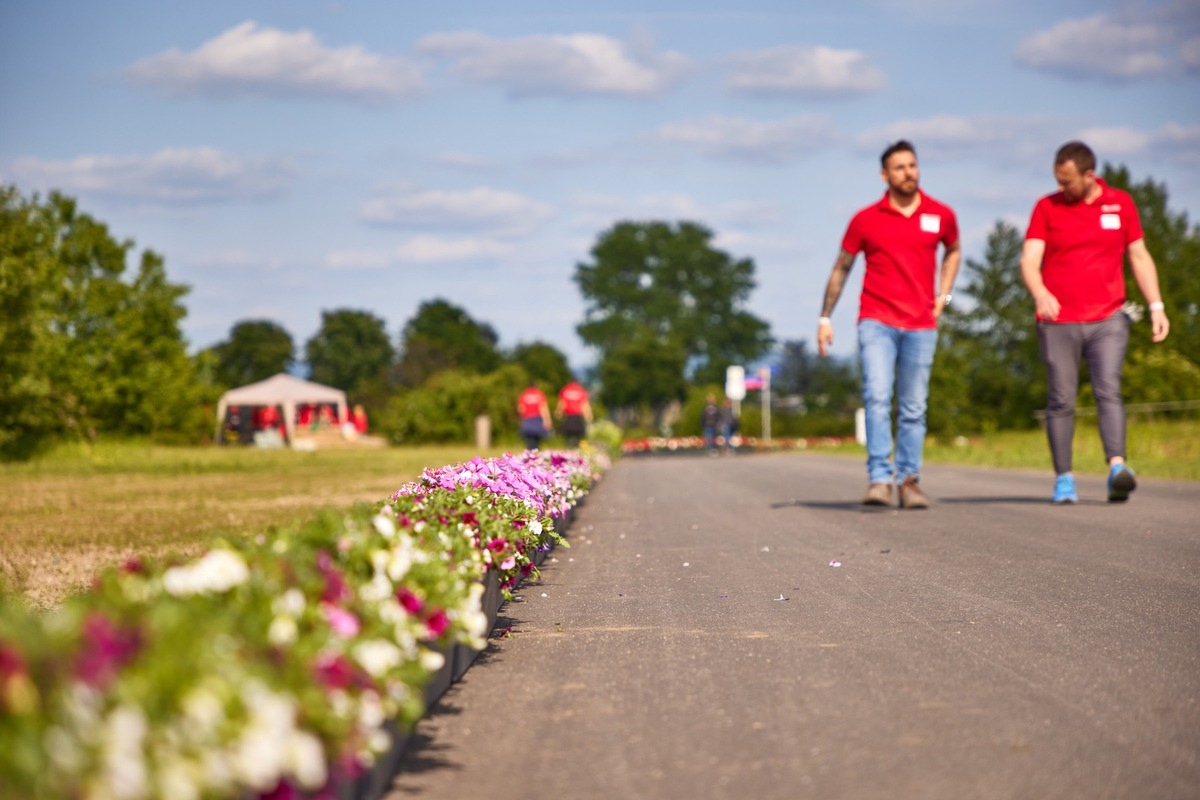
<point x="1111" y="207"/>
<point x="931" y="223"/>
<point x="1110" y="222"/>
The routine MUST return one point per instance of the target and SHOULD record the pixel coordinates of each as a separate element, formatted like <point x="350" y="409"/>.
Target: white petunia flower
<point x="124" y="772"/>
<point x="290" y="602"/>
<point x="177" y="780"/>
<point x="377" y="656"/>
<point x="432" y="660"/>
<point x="385" y="525"/>
<point x="283" y="631"/>
<point x="305" y="759"/>
<point x="215" y="571"/>
<point x="535" y="528"/>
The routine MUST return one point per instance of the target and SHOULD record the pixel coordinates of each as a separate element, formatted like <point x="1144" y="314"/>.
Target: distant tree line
<point x="91" y="347"/>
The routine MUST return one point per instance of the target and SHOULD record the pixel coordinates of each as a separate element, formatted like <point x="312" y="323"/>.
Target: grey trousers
<point x="1103" y="345"/>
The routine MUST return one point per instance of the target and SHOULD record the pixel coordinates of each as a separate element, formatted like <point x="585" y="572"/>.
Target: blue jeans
<point x="903" y="358"/>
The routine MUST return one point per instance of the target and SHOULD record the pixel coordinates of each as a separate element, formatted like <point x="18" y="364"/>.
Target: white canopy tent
<point x="283" y="390"/>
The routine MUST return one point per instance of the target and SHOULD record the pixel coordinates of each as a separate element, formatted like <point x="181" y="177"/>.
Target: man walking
<point x="897" y="319"/>
<point x="1073" y="265"/>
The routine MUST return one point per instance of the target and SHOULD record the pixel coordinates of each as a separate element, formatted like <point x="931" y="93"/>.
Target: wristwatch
<point x="946" y="298"/>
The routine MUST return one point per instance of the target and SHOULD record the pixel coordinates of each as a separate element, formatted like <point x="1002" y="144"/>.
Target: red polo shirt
<point x="1084" y="264"/>
<point x="530" y="402"/>
<point x="572" y="396"/>
<point x="901" y="254"/>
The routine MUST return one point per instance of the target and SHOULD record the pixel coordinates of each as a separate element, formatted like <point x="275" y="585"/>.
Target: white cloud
<point x="806" y="71"/>
<point x="581" y="63"/>
<point x="1115" y="142"/>
<point x="594" y="212"/>
<point x="1011" y="139"/>
<point x="1189" y="54"/>
<point x="735" y="137"/>
<point x="1111" y="46"/>
<point x="252" y="60"/>
<point x="481" y="207"/>
<point x="174" y="176"/>
<point x="420" y="250"/>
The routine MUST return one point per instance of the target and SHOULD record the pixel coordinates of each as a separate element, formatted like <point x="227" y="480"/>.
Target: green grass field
<point x="1163" y="450"/>
<point x="77" y="509"/>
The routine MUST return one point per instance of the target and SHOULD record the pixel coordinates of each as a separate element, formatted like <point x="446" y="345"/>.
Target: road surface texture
<point x="741" y="627"/>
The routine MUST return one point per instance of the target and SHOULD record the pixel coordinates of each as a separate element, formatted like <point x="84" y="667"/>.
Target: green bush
<point x="444" y="409"/>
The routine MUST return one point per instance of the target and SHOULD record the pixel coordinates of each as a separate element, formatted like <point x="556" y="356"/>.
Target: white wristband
<point x="824" y="321"/>
<point x="1157" y="305"/>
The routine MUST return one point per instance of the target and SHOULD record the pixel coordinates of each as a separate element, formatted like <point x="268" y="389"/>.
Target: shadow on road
<point x="856" y="505"/>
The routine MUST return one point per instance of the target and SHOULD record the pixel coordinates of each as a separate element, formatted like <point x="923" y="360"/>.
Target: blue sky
<point x="293" y="157"/>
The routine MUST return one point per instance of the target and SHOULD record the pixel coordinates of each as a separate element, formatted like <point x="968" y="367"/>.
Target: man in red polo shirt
<point x="576" y="412"/>
<point x="897" y="318"/>
<point x="535" y="416"/>
<point x="1073" y="264"/>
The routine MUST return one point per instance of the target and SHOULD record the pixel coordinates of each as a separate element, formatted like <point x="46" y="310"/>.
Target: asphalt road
<point x="697" y="640"/>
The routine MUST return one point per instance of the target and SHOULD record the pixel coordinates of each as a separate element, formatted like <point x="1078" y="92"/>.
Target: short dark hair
<point x="1078" y="152"/>
<point x="902" y="146"/>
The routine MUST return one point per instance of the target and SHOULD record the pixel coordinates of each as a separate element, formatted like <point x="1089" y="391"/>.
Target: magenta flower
<point x="409" y="601"/>
<point x="437" y="623"/>
<point x="105" y="650"/>
<point x="284" y="791"/>
<point x="334" y="671"/>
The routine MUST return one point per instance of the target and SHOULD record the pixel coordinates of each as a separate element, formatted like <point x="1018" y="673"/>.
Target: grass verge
<point x="1162" y="450"/>
<point x="78" y="509"/>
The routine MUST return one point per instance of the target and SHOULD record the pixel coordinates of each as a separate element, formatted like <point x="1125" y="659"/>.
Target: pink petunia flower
<point x="344" y="624"/>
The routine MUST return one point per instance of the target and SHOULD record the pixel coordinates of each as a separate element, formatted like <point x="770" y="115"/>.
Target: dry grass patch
<point x="74" y="512"/>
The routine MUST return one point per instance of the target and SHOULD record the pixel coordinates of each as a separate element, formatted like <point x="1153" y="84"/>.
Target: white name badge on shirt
<point x="1110" y="222"/>
<point x="931" y="223"/>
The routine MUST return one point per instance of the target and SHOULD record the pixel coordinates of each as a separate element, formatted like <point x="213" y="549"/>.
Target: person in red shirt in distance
<point x="535" y="416"/>
<point x="1073" y="263"/>
<point x="897" y="319"/>
<point x="576" y="412"/>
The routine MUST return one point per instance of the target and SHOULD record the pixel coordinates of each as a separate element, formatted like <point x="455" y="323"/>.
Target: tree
<point x="825" y="384"/>
<point x="546" y="364"/>
<point x="82" y="351"/>
<point x="665" y="282"/>
<point x="642" y="374"/>
<point x="255" y="350"/>
<point x="1175" y="245"/>
<point x="443" y="336"/>
<point x="351" y="349"/>
<point x="987" y="373"/>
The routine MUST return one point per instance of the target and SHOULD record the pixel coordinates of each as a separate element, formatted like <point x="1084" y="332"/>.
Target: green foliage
<point x="255" y="350"/>
<point x="444" y="409"/>
<point x="987" y="373"/>
<point x="442" y="336"/>
<point x="351" y="349"/>
<point x="84" y="352"/>
<point x="642" y="373"/>
<point x="545" y="364"/>
<point x="1174" y="244"/>
<point x="665" y="283"/>
<point x="1153" y="375"/>
<point x="828" y="386"/>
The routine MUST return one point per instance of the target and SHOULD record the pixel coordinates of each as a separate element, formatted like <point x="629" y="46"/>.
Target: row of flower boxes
<point x="290" y="665"/>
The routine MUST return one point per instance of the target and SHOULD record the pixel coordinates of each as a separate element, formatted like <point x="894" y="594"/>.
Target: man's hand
<point x="824" y="337"/>
<point x="1160" y="326"/>
<point x="1047" y="305"/>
